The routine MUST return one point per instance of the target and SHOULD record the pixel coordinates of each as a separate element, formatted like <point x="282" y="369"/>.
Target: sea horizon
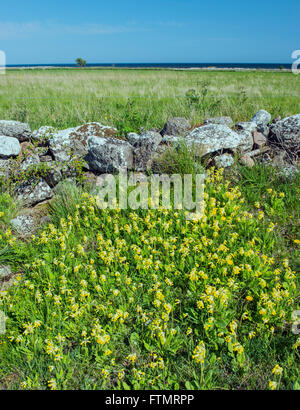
<point x="161" y="65"/>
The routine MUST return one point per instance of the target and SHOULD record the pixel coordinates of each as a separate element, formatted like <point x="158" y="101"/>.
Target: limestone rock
<point x="176" y="126"/>
<point x="287" y="133"/>
<point x="9" y="147"/>
<point x="144" y="149"/>
<point x="107" y="155"/>
<point x="31" y="193"/>
<point x="247" y="126"/>
<point x="262" y="117"/>
<point x="74" y="140"/>
<point x="4" y="168"/>
<point x="30" y="162"/>
<point x="4" y="271"/>
<point x="15" y="129"/>
<point x="213" y="138"/>
<point x="224" y="161"/>
<point x="23" y="225"/>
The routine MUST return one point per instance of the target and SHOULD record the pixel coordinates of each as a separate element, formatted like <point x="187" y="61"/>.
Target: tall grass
<point x="134" y="98"/>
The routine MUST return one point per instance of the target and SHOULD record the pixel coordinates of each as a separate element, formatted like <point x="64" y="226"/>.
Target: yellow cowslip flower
<point x="200" y="304"/>
<point x="297" y="344"/>
<point x="168" y="307"/>
<point x="272" y="385"/>
<point x="105" y="373"/>
<point x="199" y="353"/>
<point x="251" y="335"/>
<point x="52" y="384"/>
<point x="277" y="370"/>
<point x="297" y="241"/>
<point x="131" y="358"/>
<point x="271" y="227"/>
<point x="189" y="331"/>
<point x="193" y="275"/>
<point x="249" y="298"/>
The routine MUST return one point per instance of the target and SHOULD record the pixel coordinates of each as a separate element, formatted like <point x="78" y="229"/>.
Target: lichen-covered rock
<point x="132" y="138"/>
<point x="30" y="162"/>
<point x="23" y="225"/>
<point x="15" y="129"/>
<point x="246" y="141"/>
<point x="106" y="155"/>
<point x="5" y="271"/>
<point x="4" y="168"/>
<point x="31" y="193"/>
<point x="176" y="126"/>
<point x="43" y="134"/>
<point x="247" y="126"/>
<point x="289" y="171"/>
<point x="212" y="138"/>
<point x="74" y="140"/>
<point x="219" y="120"/>
<point x="31" y="219"/>
<point x="171" y="140"/>
<point x="287" y="133"/>
<point x="262" y="117"/>
<point x="53" y="174"/>
<point x="144" y="148"/>
<point x="224" y="161"/>
<point x="9" y="147"/>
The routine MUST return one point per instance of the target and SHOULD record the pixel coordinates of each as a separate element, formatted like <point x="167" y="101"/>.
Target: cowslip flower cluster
<point x="131" y="293"/>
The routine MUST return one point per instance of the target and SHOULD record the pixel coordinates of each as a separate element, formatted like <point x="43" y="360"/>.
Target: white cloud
<point x="24" y="29"/>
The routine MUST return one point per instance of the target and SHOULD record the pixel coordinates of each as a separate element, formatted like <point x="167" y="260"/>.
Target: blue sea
<point x="165" y="65"/>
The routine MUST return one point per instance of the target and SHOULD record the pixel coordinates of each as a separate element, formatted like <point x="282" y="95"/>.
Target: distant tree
<point x="80" y="62"/>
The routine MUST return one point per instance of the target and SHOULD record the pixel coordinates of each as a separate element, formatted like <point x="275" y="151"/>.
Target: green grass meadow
<point x="130" y="99"/>
<point x="145" y="299"/>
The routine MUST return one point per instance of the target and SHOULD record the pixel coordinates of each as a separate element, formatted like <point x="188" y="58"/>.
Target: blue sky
<point x="130" y="31"/>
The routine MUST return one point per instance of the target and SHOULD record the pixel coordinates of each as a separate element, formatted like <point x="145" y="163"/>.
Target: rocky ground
<point x="33" y="163"/>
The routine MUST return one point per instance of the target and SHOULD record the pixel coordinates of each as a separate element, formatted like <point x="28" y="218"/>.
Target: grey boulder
<point x="9" y="147"/>
<point x="4" y="168"/>
<point x="176" y="126"/>
<point x="31" y="193"/>
<point x="224" y="161"/>
<point x="262" y="118"/>
<point x="43" y="134"/>
<point x="144" y="148"/>
<point x="107" y="154"/>
<point x="5" y="271"/>
<point x="287" y="133"/>
<point x="53" y="175"/>
<point x="23" y="224"/>
<point x="15" y="129"/>
<point x="212" y="138"/>
<point x="247" y="126"/>
<point x="30" y="162"/>
<point x="73" y="141"/>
